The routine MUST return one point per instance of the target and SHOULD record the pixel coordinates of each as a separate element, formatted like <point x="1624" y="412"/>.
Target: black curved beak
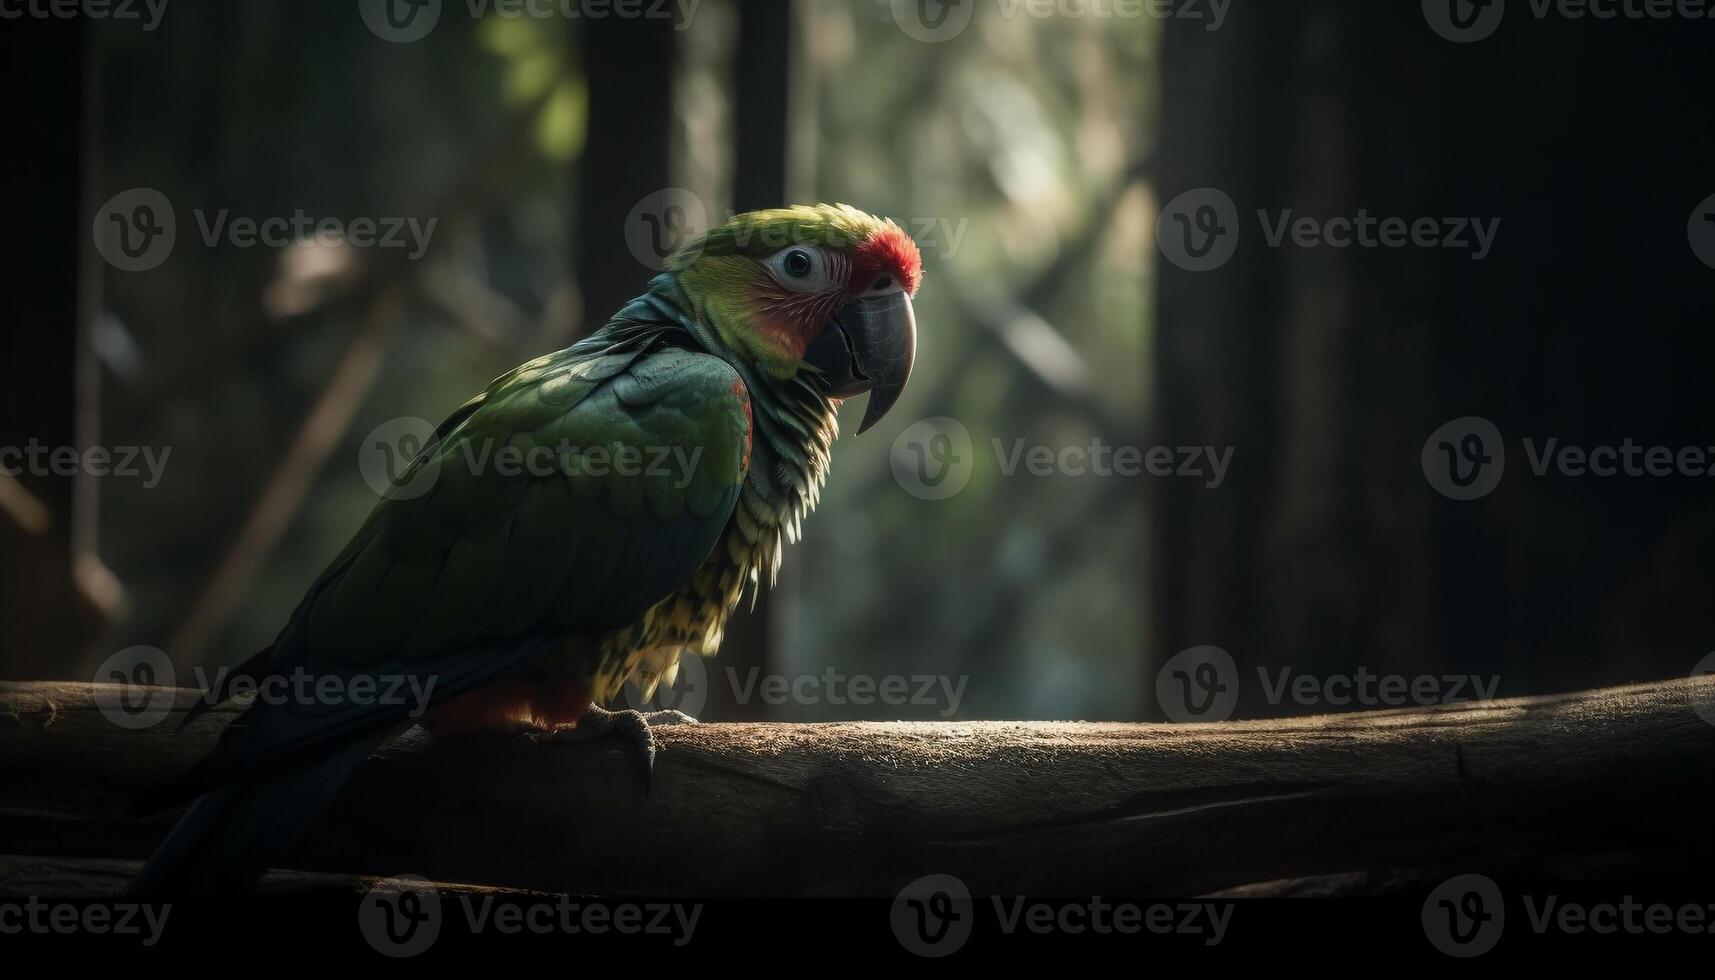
<point x="869" y="346"/>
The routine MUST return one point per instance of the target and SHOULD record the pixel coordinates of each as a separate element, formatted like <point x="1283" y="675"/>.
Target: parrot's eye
<point x="797" y="263"/>
<point x="805" y="268"/>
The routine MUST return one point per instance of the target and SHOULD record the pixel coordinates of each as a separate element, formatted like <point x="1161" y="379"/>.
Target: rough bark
<point x="1613" y="782"/>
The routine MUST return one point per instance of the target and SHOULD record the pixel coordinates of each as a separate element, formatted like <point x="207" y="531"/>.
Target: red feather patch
<point x="743" y="395"/>
<point x="888" y="252"/>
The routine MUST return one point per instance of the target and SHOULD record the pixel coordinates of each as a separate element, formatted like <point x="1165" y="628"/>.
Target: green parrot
<point x="585" y="519"/>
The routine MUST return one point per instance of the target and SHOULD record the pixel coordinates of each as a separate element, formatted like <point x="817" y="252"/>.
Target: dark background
<point x="1057" y="319"/>
<point x="1592" y="142"/>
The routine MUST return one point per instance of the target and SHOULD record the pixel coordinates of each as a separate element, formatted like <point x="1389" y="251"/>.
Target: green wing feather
<point x="572" y="495"/>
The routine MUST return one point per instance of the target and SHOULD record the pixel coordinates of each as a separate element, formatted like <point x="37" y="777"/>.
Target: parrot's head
<point x="819" y="287"/>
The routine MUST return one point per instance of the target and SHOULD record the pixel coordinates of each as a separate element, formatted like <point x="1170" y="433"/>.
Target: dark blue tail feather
<point x="229" y="836"/>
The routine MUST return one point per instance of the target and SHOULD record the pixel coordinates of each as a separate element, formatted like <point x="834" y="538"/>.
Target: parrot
<point x="531" y="595"/>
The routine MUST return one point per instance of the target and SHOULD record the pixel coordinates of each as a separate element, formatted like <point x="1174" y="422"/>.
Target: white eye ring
<point x="800" y="268"/>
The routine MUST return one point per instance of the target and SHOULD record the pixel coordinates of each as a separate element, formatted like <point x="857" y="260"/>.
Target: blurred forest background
<point x="1027" y="152"/>
<point x="1013" y="152"/>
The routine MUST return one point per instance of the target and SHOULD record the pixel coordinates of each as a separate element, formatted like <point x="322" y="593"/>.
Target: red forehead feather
<point x="889" y="251"/>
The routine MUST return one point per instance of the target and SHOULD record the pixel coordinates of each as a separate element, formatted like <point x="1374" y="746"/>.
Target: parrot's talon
<point x="635" y="726"/>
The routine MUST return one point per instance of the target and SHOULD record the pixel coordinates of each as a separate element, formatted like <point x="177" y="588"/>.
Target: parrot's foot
<point x="636" y="726"/>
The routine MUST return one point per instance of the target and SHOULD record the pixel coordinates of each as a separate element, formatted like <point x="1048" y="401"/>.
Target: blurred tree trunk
<point x="51" y="584"/>
<point x="627" y="155"/>
<point x="1327" y="369"/>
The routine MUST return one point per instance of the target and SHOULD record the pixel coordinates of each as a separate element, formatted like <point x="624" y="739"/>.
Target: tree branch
<point x="1566" y="787"/>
